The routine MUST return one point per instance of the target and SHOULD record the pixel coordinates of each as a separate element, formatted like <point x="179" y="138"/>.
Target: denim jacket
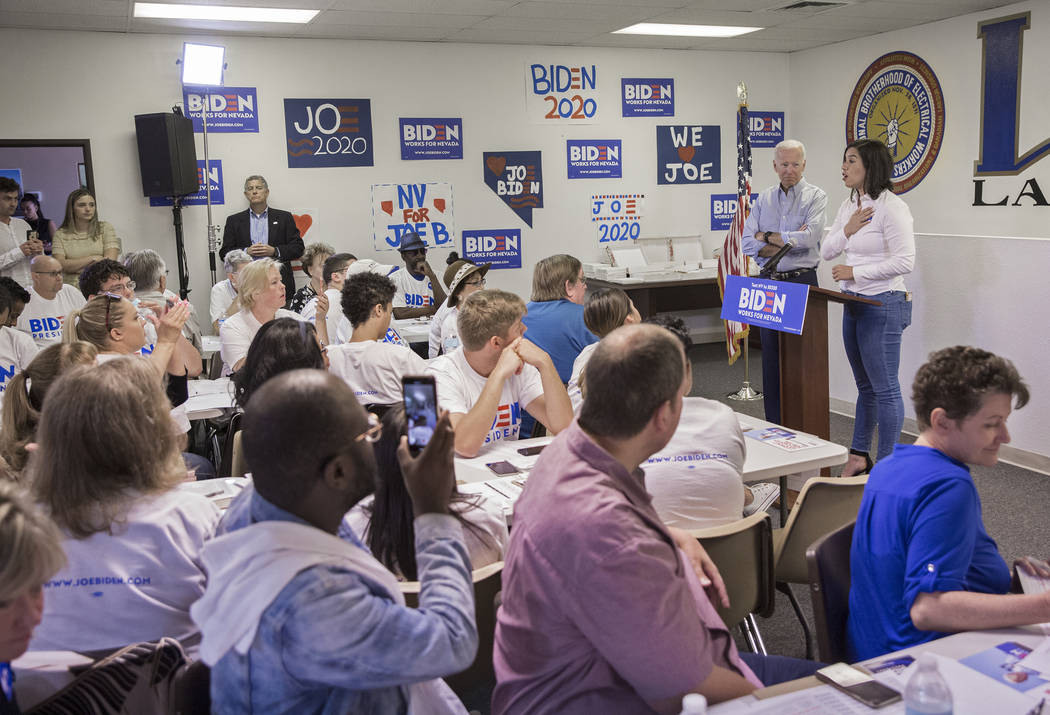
<point x="333" y="641"/>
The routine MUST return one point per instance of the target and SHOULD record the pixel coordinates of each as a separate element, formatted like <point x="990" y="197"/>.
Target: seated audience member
<point x="922" y="564"/>
<point x="418" y="291"/>
<point x="601" y="612"/>
<point x="16" y="348"/>
<point x="21" y="409"/>
<point x="106" y="276"/>
<point x="371" y="367"/>
<point x="333" y="275"/>
<point x="465" y="278"/>
<point x="282" y="345"/>
<point x="51" y="300"/>
<point x="30" y="554"/>
<point x="224" y="301"/>
<point x="555" y="313"/>
<point x="495" y="373"/>
<point x="297" y="620"/>
<point x="434" y="335"/>
<point x="149" y="273"/>
<point x="695" y="481"/>
<point x="19" y="298"/>
<point x="605" y="311"/>
<point x="132" y="538"/>
<point x="312" y="261"/>
<point x="262" y="300"/>
<point x="384" y="520"/>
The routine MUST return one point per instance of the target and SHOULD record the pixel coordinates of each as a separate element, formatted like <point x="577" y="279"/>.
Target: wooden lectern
<point x="804" y="385"/>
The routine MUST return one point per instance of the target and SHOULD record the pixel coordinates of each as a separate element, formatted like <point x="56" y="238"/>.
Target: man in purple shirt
<point x="601" y="611"/>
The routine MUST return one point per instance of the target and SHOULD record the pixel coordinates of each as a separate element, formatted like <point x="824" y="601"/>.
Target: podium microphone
<point x="771" y="264"/>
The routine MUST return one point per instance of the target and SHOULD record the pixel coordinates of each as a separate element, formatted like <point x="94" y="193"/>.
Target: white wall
<point x="981" y="272"/>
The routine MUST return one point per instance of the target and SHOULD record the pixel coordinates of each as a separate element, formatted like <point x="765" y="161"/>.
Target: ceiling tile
<point x="407" y="20"/>
<point x="520" y="37"/>
<point x="357" y="32"/>
<point x="58" y="21"/>
<point x="453" y="7"/>
<point x="594" y="26"/>
<point x="580" y="11"/>
<point x="66" y="7"/>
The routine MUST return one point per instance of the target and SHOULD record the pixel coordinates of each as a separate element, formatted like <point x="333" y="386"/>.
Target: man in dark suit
<point x="264" y="231"/>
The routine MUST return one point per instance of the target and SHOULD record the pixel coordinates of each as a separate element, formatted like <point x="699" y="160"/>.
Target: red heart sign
<point x="496" y="164"/>
<point x="685" y="153"/>
<point x="303" y="222"/>
<point x="387" y="206"/>
<point x="439" y="204"/>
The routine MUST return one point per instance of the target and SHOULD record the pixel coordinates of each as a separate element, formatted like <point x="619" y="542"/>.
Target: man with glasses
<point x="419" y="291"/>
<point x="293" y="618"/>
<point x="264" y="232"/>
<point x="50" y="301"/>
<point x="107" y="276"/>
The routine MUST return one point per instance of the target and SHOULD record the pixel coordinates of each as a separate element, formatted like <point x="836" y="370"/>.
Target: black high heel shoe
<point x="868" y="464"/>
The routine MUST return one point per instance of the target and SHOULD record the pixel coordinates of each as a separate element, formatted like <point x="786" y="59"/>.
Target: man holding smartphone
<point x="495" y="373"/>
<point x="17" y="247"/>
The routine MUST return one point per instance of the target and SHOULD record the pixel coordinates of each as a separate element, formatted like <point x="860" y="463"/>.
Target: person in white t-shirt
<point x="466" y="278"/>
<point x="50" y="301"/>
<point x="419" y="292"/>
<point x="495" y="374"/>
<point x="262" y="300"/>
<point x="606" y="310"/>
<point x="132" y="537"/>
<point x="371" y="367"/>
<point x="333" y="275"/>
<point x="224" y="301"/>
<point x="17" y="349"/>
<point x="16" y="248"/>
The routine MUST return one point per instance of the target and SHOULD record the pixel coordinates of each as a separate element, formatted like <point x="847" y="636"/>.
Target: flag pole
<point x="746" y="393"/>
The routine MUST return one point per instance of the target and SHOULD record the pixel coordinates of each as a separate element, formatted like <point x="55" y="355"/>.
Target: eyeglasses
<point x="478" y="282"/>
<point x="52" y="274"/>
<point x="111" y="298"/>
<point x="374" y="431"/>
<point x="130" y="286"/>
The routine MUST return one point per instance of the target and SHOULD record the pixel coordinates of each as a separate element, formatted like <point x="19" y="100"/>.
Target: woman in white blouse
<point x="873" y="229"/>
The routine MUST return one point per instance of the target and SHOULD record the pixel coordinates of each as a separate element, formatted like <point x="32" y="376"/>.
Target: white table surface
<point x="413" y="330"/>
<point x="210" y="344"/>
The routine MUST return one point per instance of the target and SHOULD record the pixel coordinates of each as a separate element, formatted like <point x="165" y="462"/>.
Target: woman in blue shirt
<point x="922" y="564"/>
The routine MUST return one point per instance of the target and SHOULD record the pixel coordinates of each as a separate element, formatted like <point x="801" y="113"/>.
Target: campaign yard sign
<point x="766" y="128"/>
<point x="398" y="209"/>
<point x="201" y="197"/>
<point x="647" y="97"/>
<point x="689" y="154"/>
<point x="430" y="138"/>
<point x="230" y="109"/>
<point x="594" y="158"/>
<point x="328" y="132"/>
<point x="500" y="247"/>
<point x="562" y="94"/>
<point x="778" y="305"/>
<point x="617" y="217"/>
<point x="723" y="210"/>
<point x="517" y="178"/>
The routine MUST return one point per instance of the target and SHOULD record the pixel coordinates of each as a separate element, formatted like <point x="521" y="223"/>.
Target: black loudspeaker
<point x="167" y="154"/>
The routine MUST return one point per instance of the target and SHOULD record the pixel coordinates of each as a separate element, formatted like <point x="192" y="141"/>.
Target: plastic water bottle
<point x="927" y="691"/>
<point x="694" y="704"/>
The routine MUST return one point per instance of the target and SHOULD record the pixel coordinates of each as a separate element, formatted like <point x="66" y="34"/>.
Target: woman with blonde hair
<point x="106" y="469"/>
<point x="82" y="238"/>
<point x="25" y="398"/>
<point x="30" y="554"/>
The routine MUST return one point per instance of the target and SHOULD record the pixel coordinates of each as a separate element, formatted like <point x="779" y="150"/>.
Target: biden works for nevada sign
<point x="778" y="305"/>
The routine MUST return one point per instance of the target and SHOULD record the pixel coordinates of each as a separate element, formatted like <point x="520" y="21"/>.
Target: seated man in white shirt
<point x="372" y="368"/>
<point x="333" y="274"/>
<point x="50" y="301"/>
<point x="419" y="292"/>
<point x="150" y="275"/>
<point x="495" y="374"/>
<point x="224" y="301"/>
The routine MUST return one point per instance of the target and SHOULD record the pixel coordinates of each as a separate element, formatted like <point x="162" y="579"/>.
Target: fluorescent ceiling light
<point x="229" y="13"/>
<point x="656" y="28"/>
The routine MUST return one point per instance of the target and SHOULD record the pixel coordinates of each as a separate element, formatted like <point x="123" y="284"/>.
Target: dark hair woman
<point x="281" y="345"/>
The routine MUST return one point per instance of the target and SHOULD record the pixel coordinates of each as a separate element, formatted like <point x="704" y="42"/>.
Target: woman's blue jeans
<point x="872" y="337"/>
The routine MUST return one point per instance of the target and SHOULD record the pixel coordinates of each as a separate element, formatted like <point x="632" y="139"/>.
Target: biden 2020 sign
<point x="777" y="305"/>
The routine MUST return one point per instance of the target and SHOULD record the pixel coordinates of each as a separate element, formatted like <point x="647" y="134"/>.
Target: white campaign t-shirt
<point x="575" y="394"/>
<point x="696" y="479"/>
<point x="434" y="336"/>
<point x="237" y="332"/>
<point x="14" y="263"/>
<point x="450" y="331"/>
<point x="43" y="319"/>
<point x="222" y="296"/>
<point x="373" y="370"/>
<point x="486" y="547"/>
<point x="332" y="318"/>
<point x="412" y="293"/>
<point x="459" y="387"/>
<point x="16" y="351"/>
<point x="136" y="584"/>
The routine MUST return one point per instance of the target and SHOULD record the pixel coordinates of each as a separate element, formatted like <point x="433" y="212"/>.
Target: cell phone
<point x="503" y="468"/>
<point x="420" y="397"/>
<point x="858" y="685"/>
<point x="531" y="451"/>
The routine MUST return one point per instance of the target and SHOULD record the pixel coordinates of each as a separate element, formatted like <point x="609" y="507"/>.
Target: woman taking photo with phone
<point x="873" y="229"/>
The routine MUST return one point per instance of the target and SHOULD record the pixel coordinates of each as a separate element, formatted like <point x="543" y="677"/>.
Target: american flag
<point x="731" y="262"/>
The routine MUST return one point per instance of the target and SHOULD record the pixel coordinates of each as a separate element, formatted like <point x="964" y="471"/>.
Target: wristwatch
<point x="766" y="235"/>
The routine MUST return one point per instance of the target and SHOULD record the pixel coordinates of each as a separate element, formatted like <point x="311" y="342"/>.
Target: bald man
<point x="296" y="620"/>
<point x="50" y="301"/>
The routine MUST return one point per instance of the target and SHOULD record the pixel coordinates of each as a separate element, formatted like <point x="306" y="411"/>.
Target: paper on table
<point x="821" y="700"/>
<point x="1039" y="658"/>
<point x="970" y="695"/>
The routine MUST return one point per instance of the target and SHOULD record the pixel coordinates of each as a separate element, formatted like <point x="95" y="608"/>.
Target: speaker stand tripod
<point x="180" y="247"/>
